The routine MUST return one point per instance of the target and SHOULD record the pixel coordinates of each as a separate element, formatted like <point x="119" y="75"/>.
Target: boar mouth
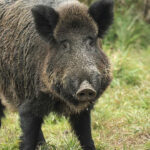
<point x="69" y="97"/>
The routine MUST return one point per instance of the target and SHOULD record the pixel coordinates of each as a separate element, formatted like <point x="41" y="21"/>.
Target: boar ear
<point x="45" y="19"/>
<point x="102" y="13"/>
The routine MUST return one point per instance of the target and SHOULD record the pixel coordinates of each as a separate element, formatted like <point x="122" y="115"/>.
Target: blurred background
<point x="121" y="118"/>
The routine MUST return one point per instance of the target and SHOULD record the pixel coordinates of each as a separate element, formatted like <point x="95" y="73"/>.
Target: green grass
<point x="120" y="120"/>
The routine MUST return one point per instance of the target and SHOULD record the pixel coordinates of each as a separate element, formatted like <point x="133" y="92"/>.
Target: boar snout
<point x="86" y="92"/>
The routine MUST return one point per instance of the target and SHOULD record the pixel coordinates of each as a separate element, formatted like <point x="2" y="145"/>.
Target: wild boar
<point x="51" y="61"/>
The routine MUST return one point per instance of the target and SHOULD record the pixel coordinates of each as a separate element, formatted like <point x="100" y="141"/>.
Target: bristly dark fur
<point x="102" y="12"/>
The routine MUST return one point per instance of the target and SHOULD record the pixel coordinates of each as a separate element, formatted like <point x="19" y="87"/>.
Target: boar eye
<point x="91" y="41"/>
<point x="65" y="44"/>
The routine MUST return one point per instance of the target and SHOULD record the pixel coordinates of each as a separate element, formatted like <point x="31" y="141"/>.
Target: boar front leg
<point x="1" y="111"/>
<point x="31" y="128"/>
<point x="81" y="124"/>
<point x="41" y="139"/>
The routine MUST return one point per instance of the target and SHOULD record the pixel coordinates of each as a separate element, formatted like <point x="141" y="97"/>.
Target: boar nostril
<point x="91" y="94"/>
<point x="81" y="94"/>
<point x="86" y="92"/>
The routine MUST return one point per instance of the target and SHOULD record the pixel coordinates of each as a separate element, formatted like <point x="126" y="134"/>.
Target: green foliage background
<point x="129" y="30"/>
